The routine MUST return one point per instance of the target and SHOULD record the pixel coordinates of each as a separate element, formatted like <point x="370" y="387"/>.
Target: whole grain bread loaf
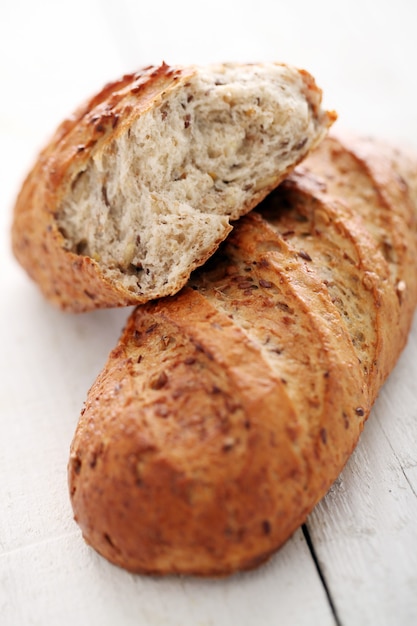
<point x="226" y="412"/>
<point x="140" y="185"/>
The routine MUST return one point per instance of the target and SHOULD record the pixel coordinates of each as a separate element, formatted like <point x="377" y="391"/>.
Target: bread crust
<point x="77" y="282"/>
<point x="226" y="412"/>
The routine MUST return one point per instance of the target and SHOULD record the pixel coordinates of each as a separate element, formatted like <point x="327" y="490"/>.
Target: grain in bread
<point x="226" y="412"/>
<point x="140" y="186"/>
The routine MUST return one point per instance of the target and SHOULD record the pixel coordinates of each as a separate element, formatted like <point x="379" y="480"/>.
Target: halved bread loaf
<point x="226" y="412"/>
<point x="139" y="187"/>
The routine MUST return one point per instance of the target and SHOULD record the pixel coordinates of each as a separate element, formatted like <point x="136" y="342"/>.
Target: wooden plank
<point x="62" y="581"/>
<point x="365" y="530"/>
<point x="397" y="411"/>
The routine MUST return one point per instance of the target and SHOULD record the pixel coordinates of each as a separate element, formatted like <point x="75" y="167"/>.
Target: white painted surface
<point x="54" y="54"/>
<point x="365" y="530"/>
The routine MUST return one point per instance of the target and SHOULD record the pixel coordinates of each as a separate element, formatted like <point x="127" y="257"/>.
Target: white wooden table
<point x="356" y="561"/>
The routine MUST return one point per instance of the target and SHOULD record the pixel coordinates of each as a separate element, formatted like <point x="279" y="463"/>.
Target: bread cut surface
<point x="226" y="412"/>
<point x="142" y="184"/>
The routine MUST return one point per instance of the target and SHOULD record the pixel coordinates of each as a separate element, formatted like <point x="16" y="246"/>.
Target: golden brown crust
<point x="378" y="182"/>
<point x="70" y="280"/>
<point x="226" y="412"/>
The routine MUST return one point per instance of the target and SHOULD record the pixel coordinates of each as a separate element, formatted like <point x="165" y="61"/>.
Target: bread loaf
<point x="140" y="185"/>
<point x="226" y="412"/>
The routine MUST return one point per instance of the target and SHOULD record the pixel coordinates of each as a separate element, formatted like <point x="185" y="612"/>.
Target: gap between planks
<point x="320" y="573"/>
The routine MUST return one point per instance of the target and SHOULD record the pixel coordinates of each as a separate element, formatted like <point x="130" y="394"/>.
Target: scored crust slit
<point x="140" y="185"/>
<point x="226" y="412"/>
